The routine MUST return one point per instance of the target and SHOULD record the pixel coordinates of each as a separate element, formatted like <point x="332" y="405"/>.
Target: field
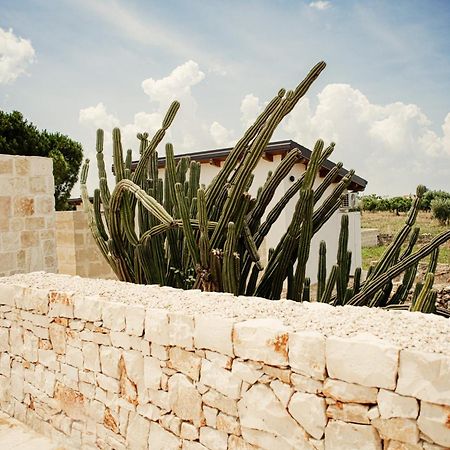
<point x="389" y="224"/>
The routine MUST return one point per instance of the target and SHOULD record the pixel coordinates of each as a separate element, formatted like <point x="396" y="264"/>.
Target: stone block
<point x="113" y="316"/>
<point x="109" y="360"/>
<point x="391" y="405"/>
<point x="345" y="436"/>
<point x="181" y="330"/>
<point x="303" y="383"/>
<point x="283" y="391"/>
<point x="184" y="399"/>
<point x="216" y="400"/>
<point x="259" y="409"/>
<point x="228" y="424"/>
<point x="91" y="355"/>
<point x="88" y="307"/>
<point x="222" y="380"/>
<point x="57" y="335"/>
<point x="213" y="439"/>
<point x="214" y="333"/>
<point x="134" y="320"/>
<point x="425" y="376"/>
<point x="4" y="340"/>
<point x="185" y="362"/>
<point x="161" y="439"/>
<point x="263" y="340"/>
<point x="152" y="373"/>
<point x="349" y="392"/>
<point x="349" y="412"/>
<point x="138" y="433"/>
<point x="398" y="429"/>
<point x="248" y="371"/>
<point x="157" y="326"/>
<point x="309" y="411"/>
<point x="307" y="354"/>
<point x="434" y="422"/>
<point x="363" y="359"/>
<point x="189" y="432"/>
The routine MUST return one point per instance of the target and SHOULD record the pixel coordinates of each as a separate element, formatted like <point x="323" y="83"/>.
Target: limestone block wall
<point x="77" y="251"/>
<point x="109" y="365"/>
<point x="27" y="220"/>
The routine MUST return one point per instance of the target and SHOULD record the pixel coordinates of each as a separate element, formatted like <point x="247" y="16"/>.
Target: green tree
<point x="441" y="210"/>
<point x="20" y="137"/>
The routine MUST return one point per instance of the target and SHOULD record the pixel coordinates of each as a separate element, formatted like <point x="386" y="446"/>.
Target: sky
<point x="73" y="66"/>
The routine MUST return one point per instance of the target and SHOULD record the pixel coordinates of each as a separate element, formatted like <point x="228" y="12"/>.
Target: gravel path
<point x="426" y="332"/>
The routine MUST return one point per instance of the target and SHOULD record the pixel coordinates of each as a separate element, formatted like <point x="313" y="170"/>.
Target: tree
<point x="20" y="137"/>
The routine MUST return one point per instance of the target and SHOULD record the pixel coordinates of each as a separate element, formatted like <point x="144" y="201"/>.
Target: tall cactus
<point x="173" y="231"/>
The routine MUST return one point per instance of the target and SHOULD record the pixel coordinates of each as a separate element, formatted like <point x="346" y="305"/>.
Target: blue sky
<point x="74" y="65"/>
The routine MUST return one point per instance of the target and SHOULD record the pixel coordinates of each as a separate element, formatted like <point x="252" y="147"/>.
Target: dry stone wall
<point x="89" y="364"/>
<point x="27" y="217"/>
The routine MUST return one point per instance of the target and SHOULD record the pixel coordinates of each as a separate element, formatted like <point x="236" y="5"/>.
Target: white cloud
<point x="98" y="117"/>
<point x="176" y="85"/>
<point x="221" y="136"/>
<point x="320" y="5"/>
<point x="16" y="54"/>
<point x="393" y="146"/>
<point x="250" y="108"/>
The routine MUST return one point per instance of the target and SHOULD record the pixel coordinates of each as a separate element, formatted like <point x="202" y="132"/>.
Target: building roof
<point x="274" y="148"/>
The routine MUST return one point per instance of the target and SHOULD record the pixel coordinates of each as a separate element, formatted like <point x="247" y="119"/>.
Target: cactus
<point x="176" y="232"/>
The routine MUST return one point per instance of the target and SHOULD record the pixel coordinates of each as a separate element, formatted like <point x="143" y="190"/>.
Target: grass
<point x="389" y="223"/>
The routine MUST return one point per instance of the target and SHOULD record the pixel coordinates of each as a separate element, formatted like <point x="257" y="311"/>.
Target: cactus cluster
<point x="176" y="232"/>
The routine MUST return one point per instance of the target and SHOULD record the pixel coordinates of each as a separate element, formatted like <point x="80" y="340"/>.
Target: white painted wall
<point x="329" y="232"/>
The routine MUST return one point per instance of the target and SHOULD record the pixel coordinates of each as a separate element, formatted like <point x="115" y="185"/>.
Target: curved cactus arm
<point x="187" y="228"/>
<point x="357" y="280"/>
<point x="432" y="265"/>
<point x="98" y="215"/>
<point x="412" y="242"/>
<point x="421" y="301"/>
<point x="322" y="269"/>
<point x="271" y="185"/>
<point x="374" y="285"/>
<point x="327" y="293"/>
<point x="230" y="283"/>
<point x="141" y="168"/>
<point x="326" y="182"/>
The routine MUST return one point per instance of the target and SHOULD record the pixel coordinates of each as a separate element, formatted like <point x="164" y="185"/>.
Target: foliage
<point x="374" y="202"/>
<point x="174" y="232"/>
<point x="440" y="208"/>
<point x="433" y="195"/>
<point x="20" y="137"/>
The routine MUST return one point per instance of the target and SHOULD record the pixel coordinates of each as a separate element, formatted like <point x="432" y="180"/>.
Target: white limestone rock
<point x="391" y="404"/>
<point x="349" y="412"/>
<point x="349" y="392"/>
<point x="398" y="429"/>
<point x="185" y="362"/>
<point x="248" y="371"/>
<point x="425" y="376"/>
<point x="345" y="436"/>
<point x="259" y="409"/>
<point x="303" y="383"/>
<point x="184" y="399"/>
<point x="157" y="326"/>
<point x="283" y="391"/>
<point x="134" y="320"/>
<point x="214" y="333"/>
<point x="109" y="359"/>
<point x="181" y="330"/>
<point x="363" y="359"/>
<point x="113" y="316"/>
<point x="263" y="340"/>
<point x="434" y="421"/>
<point x="88" y="307"/>
<point x="213" y="439"/>
<point x="138" y="433"/>
<point x="91" y="356"/>
<point x="161" y="439"/>
<point x="152" y="373"/>
<point x="307" y="353"/>
<point x="222" y="380"/>
<point x="309" y="411"/>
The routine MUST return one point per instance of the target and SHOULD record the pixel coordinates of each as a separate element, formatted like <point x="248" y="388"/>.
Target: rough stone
<point x="398" y="429"/>
<point x="181" y="330"/>
<point x="425" y="376"/>
<point x="434" y="421"/>
<point x="349" y="412"/>
<point x="220" y="379"/>
<point x="363" y="359"/>
<point x="349" y="392"/>
<point x="214" y="333"/>
<point x="228" y="424"/>
<point x="283" y="391"/>
<point x="91" y="356"/>
<point x="184" y="399"/>
<point x="138" y="433"/>
<point x="309" y="411"/>
<point x="152" y="373"/>
<point x="186" y="362"/>
<point x="134" y="320"/>
<point x="109" y="359"/>
<point x="88" y="307"/>
<point x="307" y="353"/>
<point x="263" y="340"/>
<point x="269" y="416"/>
<point x="161" y="439"/>
<point x="248" y="371"/>
<point x="391" y="404"/>
<point x="345" y="436"/>
<point x="213" y="439"/>
<point x="302" y="383"/>
<point x="113" y="316"/>
<point x="157" y="326"/>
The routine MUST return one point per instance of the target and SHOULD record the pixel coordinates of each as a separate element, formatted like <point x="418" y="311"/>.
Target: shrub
<point x="440" y="208"/>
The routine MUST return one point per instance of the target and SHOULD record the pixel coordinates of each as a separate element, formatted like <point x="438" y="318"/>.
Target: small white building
<point x="211" y="162"/>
